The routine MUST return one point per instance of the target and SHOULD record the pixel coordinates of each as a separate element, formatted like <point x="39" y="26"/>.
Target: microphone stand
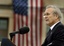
<point x="11" y="36"/>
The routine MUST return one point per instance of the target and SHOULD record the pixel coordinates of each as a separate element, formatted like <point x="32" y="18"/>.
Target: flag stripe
<point x="22" y="35"/>
<point x="36" y="22"/>
<point x="18" y="28"/>
<point x="41" y="19"/>
<point x="31" y="22"/>
<point x="33" y="26"/>
<point x="26" y="34"/>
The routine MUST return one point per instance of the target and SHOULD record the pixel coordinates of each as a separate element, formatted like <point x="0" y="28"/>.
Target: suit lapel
<point x="56" y="27"/>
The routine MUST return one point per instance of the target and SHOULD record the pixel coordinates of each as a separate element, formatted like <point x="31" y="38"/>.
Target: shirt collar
<point x="54" y="25"/>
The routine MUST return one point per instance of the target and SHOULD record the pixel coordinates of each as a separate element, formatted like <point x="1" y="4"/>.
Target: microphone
<point x="22" y="30"/>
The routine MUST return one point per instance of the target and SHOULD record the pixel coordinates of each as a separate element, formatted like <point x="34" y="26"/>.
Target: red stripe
<point x="31" y="22"/>
<point x="26" y="20"/>
<point x="18" y="28"/>
<point x="22" y="35"/>
<point x="36" y="22"/>
<point x="41" y="19"/>
<point x="27" y="34"/>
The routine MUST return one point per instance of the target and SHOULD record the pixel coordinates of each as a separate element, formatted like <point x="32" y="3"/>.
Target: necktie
<point x="49" y="35"/>
<point x="49" y="32"/>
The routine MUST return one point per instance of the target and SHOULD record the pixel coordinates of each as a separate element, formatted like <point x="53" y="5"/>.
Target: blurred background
<point x="38" y="29"/>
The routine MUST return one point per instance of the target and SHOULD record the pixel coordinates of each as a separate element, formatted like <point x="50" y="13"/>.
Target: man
<point x="55" y="36"/>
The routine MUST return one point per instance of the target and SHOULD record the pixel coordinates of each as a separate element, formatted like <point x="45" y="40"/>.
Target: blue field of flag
<point x="20" y="7"/>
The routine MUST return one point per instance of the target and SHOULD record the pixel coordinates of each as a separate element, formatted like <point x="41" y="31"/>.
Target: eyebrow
<point x="46" y="13"/>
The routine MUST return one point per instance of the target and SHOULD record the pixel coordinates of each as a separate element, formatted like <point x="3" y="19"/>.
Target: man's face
<point x="49" y="17"/>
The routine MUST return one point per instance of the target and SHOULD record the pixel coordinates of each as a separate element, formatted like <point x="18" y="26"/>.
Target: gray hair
<point x="56" y="10"/>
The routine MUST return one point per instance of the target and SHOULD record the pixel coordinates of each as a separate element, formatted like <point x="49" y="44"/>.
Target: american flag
<point x="28" y="13"/>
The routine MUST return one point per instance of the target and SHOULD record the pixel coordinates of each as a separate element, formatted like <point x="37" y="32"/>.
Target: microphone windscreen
<point x="24" y="30"/>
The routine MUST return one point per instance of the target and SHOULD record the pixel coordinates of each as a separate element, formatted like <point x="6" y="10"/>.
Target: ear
<point x="56" y="16"/>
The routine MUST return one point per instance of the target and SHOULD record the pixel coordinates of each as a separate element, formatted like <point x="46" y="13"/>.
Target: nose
<point x="44" y="16"/>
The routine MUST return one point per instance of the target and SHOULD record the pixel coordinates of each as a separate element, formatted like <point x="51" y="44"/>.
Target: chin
<point x="48" y="23"/>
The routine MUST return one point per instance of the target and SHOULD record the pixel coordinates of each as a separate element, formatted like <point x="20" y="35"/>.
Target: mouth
<point x="46" y="20"/>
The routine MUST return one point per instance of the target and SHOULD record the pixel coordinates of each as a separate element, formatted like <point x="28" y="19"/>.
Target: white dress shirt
<point x="54" y="25"/>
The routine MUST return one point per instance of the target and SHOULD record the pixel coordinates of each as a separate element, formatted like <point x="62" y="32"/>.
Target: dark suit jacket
<point x="56" y="38"/>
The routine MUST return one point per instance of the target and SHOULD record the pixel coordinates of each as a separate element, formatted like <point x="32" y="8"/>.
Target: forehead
<point x="49" y="10"/>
